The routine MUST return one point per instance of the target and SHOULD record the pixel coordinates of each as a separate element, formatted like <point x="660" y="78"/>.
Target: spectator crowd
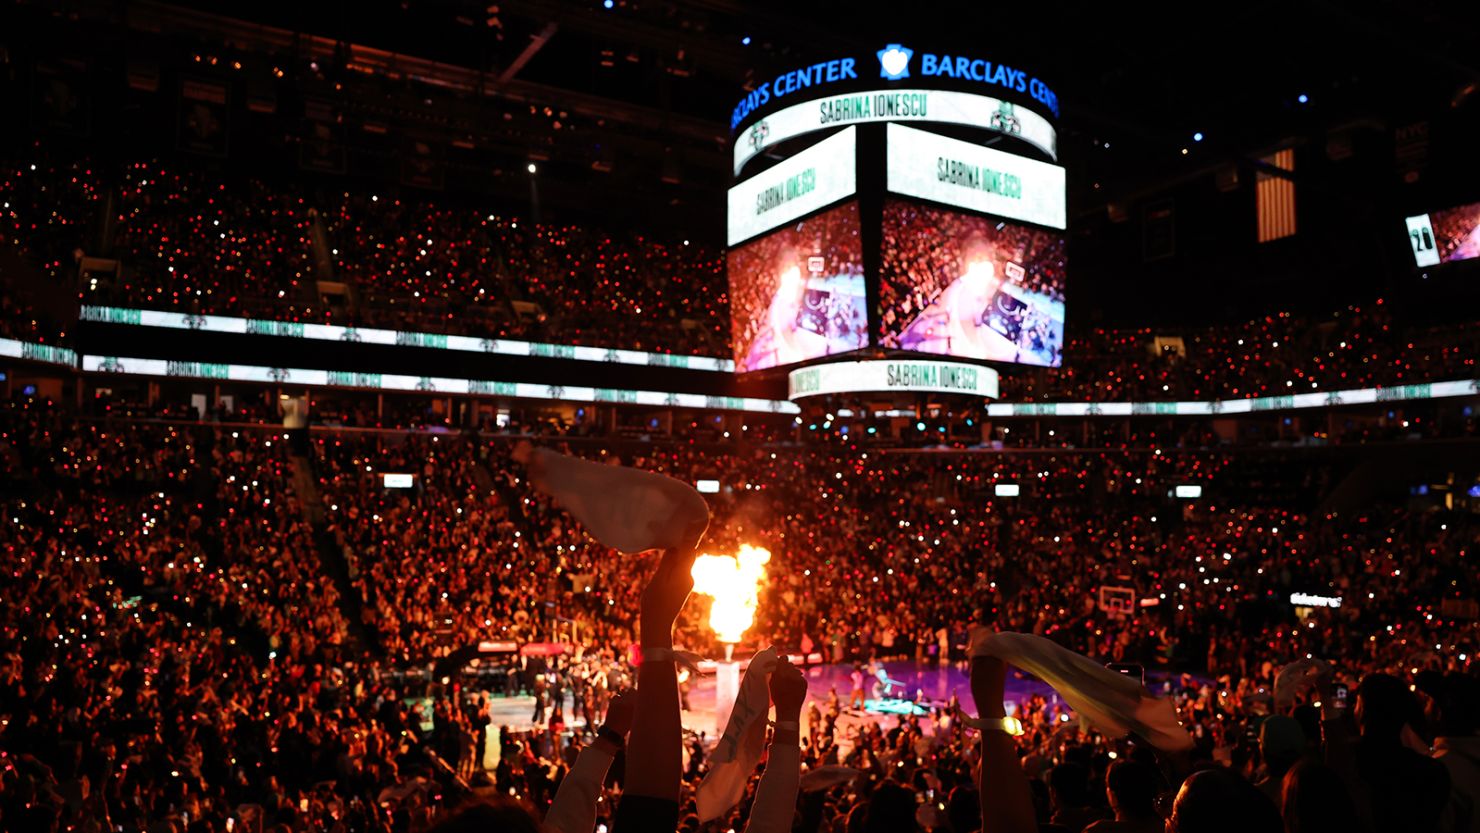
<point x="212" y="628"/>
<point x="198" y="242"/>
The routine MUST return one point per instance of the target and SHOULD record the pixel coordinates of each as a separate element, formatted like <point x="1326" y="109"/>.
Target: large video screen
<point x="795" y="187"/>
<point x="798" y="293"/>
<point x="1445" y="236"/>
<point x="963" y="285"/>
<point x="945" y="170"/>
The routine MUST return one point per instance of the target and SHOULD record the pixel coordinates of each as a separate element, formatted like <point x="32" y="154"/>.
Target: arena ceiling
<point x="625" y="110"/>
<point x="1136" y="86"/>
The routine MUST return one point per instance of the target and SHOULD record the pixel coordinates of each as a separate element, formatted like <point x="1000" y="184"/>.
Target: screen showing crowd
<point x="963" y="285"/>
<point x="1445" y="236"/>
<point x="798" y="293"/>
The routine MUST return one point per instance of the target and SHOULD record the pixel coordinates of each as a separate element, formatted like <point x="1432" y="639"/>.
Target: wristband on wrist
<point x="794" y="725"/>
<point x="657" y="654"/>
<point x="986" y="724"/>
<point x="612" y="736"/>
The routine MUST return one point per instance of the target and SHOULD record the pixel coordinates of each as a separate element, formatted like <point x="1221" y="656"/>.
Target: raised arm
<point x="1007" y="803"/>
<point x="574" y="807"/>
<point x="655" y="751"/>
<point x="1340" y="753"/>
<point x="776" y="796"/>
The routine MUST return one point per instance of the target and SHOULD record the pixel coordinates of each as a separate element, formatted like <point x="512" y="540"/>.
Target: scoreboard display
<point x="798" y="293"/>
<point x="901" y="202"/>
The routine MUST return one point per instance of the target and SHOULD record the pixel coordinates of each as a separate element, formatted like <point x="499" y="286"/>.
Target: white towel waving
<point x="627" y="509"/>
<point x="1294" y="678"/>
<point x="739" y="749"/>
<point x="1112" y="702"/>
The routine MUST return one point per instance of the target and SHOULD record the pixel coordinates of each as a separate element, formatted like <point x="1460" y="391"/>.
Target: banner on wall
<point x="60" y="99"/>
<point x="421" y="166"/>
<point x="203" y="117"/>
<point x="321" y="147"/>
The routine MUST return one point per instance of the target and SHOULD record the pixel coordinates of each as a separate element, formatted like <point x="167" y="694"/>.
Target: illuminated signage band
<point x="300" y="377"/>
<point x="1233" y="407"/>
<point x="369" y="335"/>
<point x="1313" y="600"/>
<point x="910" y="375"/>
<point x="950" y="171"/>
<point x="893" y="63"/>
<point x="818" y="176"/>
<point x="32" y="352"/>
<point x="936" y="106"/>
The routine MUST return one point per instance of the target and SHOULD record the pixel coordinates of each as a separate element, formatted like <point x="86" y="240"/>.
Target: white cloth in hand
<point x="627" y="509"/>
<point x="1112" y="702"/>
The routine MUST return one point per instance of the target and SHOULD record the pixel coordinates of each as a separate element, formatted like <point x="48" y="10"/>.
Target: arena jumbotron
<point x="590" y="416"/>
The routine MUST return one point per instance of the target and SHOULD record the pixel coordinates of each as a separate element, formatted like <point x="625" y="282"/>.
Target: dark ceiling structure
<point x="623" y="105"/>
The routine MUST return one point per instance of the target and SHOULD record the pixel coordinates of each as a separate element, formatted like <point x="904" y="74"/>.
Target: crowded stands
<point x="418" y="266"/>
<point x="267" y="696"/>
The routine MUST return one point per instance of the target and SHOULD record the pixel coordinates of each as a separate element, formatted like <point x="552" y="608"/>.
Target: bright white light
<point x="1311" y="600"/>
<point x="979" y="275"/>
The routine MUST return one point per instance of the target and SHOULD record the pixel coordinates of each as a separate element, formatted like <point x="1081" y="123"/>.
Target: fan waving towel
<point x="1112" y="702"/>
<point x="739" y="749"/>
<point x="626" y="509"/>
<point x="1294" y="677"/>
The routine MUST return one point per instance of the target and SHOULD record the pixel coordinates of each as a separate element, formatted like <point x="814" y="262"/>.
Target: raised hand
<point x="788" y="690"/>
<point x="619" y="713"/>
<point x="665" y="595"/>
<point x="988" y="680"/>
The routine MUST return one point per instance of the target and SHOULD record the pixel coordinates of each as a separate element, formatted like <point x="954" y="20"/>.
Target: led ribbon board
<point x="915" y="376"/>
<point x="937" y="106"/>
<point x="32" y="352"/>
<point x="953" y="172"/>
<point x="1232" y="407"/>
<point x="395" y="338"/>
<point x="426" y="384"/>
<point x="818" y="176"/>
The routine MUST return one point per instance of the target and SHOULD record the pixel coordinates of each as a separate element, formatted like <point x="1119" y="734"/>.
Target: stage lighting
<point x="1008" y="490"/>
<point x="531" y="168"/>
<point x="1188" y="492"/>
